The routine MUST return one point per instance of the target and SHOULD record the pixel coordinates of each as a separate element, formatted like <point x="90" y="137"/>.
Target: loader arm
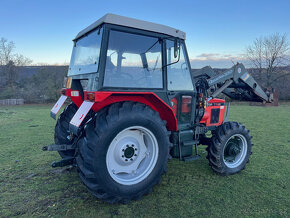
<point x="236" y="83"/>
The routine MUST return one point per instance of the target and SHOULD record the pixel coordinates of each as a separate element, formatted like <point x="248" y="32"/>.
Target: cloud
<point x="208" y="55"/>
<point x="217" y="56"/>
<point x="217" y="60"/>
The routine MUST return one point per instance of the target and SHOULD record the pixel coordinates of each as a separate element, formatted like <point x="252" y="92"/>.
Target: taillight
<point x="90" y="96"/>
<point x="68" y="83"/>
<point x="62" y="91"/>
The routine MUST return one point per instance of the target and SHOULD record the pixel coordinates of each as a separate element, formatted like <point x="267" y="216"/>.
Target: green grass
<point x="30" y="187"/>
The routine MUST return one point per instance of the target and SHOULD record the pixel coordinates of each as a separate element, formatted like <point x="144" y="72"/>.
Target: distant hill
<point x="28" y="71"/>
<point x="25" y="72"/>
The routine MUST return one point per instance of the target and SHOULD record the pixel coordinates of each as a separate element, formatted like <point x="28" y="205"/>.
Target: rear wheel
<point x="132" y="155"/>
<point x="230" y="149"/>
<point x="124" y="152"/>
<point x="62" y="134"/>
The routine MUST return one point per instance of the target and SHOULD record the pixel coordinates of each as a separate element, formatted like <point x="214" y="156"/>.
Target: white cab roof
<point x="134" y="23"/>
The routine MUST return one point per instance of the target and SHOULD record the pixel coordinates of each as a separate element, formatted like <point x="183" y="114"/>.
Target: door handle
<point x="171" y="93"/>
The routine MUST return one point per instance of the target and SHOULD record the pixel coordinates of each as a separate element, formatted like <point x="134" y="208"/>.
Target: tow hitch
<point x="65" y="161"/>
<point x="62" y="147"/>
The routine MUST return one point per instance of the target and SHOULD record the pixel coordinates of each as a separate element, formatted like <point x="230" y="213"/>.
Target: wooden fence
<point x="12" y="102"/>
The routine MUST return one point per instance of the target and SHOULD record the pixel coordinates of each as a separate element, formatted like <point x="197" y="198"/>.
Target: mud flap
<point x="57" y="106"/>
<point x="80" y="116"/>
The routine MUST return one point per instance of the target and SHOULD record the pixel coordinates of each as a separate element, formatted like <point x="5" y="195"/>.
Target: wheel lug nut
<point x="123" y="156"/>
<point x="126" y="159"/>
<point x="127" y="146"/>
<point x="135" y="154"/>
<point x="123" y="149"/>
<point x="135" y="149"/>
<point x="132" y="145"/>
<point x="131" y="159"/>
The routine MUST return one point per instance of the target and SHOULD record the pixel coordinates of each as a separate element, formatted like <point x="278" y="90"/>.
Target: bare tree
<point x="268" y="55"/>
<point x="8" y="62"/>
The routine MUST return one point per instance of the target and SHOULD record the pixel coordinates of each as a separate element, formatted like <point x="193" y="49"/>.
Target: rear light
<point x="68" y="83"/>
<point x="62" y="91"/>
<point x="90" y="96"/>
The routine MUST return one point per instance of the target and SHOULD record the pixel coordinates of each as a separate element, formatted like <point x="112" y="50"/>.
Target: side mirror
<point x="176" y="48"/>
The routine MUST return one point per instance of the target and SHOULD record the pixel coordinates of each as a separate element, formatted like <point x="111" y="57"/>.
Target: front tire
<point x="230" y="148"/>
<point x="124" y="152"/>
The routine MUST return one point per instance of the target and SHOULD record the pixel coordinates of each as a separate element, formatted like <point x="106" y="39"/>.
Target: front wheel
<point x="230" y="148"/>
<point x="124" y="152"/>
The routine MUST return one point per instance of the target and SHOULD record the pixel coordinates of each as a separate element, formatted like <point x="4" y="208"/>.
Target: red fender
<point x="103" y="99"/>
<point x="74" y="95"/>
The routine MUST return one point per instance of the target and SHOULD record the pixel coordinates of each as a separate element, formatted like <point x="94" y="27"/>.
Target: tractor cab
<point x="118" y="54"/>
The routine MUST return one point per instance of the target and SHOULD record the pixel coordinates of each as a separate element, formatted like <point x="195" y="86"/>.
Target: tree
<point x="9" y="60"/>
<point x="269" y="54"/>
<point x="45" y="85"/>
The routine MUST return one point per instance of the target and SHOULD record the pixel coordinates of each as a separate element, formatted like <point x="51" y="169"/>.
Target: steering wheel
<point x="141" y="80"/>
<point x="125" y="75"/>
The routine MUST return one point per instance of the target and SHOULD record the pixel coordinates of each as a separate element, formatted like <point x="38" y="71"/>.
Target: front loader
<point x="134" y="105"/>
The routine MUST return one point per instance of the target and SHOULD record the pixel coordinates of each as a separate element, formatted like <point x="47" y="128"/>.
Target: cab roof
<point x="133" y="23"/>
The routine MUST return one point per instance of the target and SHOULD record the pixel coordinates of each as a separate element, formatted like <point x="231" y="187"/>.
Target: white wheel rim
<point x="132" y="155"/>
<point x="240" y="156"/>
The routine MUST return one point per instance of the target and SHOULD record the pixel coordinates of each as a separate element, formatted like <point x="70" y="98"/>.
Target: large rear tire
<point x="61" y="133"/>
<point x="230" y="149"/>
<point x="124" y="152"/>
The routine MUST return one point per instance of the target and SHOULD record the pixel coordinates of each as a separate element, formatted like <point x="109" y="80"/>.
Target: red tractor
<point x="135" y="104"/>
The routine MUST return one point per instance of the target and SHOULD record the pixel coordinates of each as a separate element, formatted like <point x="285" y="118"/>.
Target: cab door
<point x="180" y="89"/>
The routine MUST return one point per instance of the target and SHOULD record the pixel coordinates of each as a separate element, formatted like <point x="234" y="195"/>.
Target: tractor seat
<point x="109" y="64"/>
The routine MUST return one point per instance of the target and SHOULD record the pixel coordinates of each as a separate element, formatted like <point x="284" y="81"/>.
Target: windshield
<point x="86" y="53"/>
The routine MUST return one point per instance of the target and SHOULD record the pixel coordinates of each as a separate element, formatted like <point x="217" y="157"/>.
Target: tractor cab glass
<point x="86" y="53"/>
<point x="179" y="81"/>
<point x="133" y="61"/>
<point x="178" y="71"/>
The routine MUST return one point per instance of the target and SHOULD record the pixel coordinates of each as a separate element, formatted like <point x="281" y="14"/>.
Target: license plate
<point x="57" y="106"/>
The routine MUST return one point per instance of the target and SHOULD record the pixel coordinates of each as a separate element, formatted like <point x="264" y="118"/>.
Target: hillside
<point x="32" y="79"/>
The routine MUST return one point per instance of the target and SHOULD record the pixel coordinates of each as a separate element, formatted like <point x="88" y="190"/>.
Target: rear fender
<point x="103" y="99"/>
<point x="149" y="98"/>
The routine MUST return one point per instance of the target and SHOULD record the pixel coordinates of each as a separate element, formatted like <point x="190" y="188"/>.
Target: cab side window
<point x="178" y="74"/>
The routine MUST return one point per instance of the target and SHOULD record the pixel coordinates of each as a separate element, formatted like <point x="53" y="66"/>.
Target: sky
<point x="217" y="31"/>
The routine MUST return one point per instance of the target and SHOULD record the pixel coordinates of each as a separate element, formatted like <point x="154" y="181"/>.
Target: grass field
<point x="30" y="187"/>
